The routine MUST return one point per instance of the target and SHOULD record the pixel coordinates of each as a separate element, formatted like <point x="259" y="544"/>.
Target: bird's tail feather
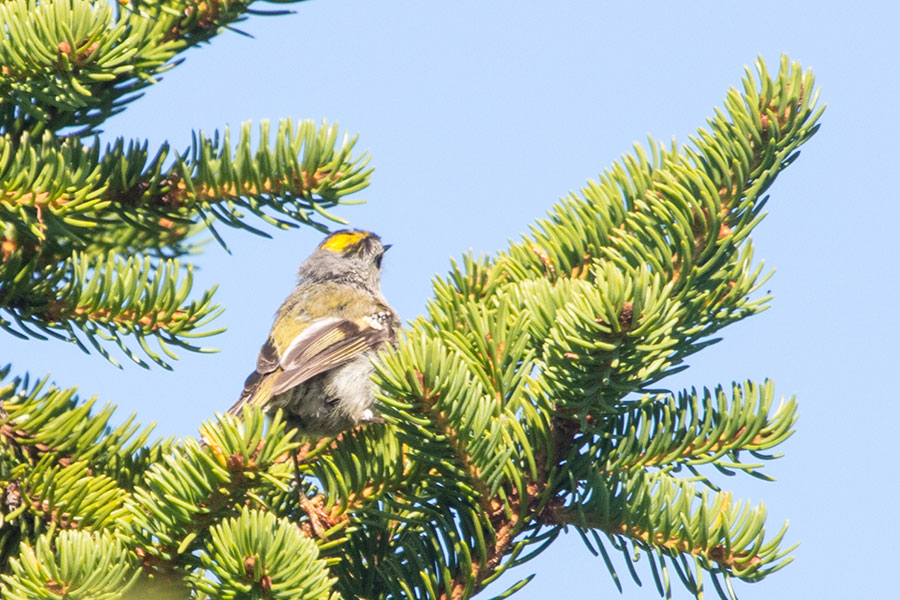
<point x="254" y="393"/>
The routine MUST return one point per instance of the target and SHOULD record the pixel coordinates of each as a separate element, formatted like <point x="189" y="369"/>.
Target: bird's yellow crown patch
<point x="341" y="241"/>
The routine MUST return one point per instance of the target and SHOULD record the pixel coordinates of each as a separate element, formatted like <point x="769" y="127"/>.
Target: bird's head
<point x="346" y="255"/>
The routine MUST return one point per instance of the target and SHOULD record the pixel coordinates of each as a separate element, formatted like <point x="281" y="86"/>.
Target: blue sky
<point x="479" y="116"/>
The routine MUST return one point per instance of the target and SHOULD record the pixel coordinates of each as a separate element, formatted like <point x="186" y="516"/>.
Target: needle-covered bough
<point x="527" y="401"/>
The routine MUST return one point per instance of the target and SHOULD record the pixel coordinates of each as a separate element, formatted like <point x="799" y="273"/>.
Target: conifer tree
<point x="524" y="402"/>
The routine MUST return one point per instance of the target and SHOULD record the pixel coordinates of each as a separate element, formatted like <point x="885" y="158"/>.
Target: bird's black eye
<point x="378" y="258"/>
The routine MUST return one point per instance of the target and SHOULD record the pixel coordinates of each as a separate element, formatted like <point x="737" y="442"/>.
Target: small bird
<point x="316" y="364"/>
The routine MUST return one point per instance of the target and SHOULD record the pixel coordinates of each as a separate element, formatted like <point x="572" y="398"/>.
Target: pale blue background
<point x="479" y="116"/>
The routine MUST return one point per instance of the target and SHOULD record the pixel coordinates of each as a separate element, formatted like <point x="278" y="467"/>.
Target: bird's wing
<point x="266" y="362"/>
<point x="268" y="358"/>
<point x="322" y="345"/>
<point x="326" y="344"/>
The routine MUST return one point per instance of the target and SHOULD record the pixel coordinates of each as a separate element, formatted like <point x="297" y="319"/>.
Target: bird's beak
<point x="387" y="247"/>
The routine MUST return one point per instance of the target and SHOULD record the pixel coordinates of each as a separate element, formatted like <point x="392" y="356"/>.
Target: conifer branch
<point x="608" y="296"/>
<point x="510" y="408"/>
<point x="354" y="470"/>
<point x="45" y="425"/>
<point x="72" y="564"/>
<point x="65" y="227"/>
<point x="667" y="516"/>
<point x="669" y="432"/>
<point x="72" y="64"/>
<point x="65" y="467"/>
<point x="105" y="298"/>
<point x="195" y="486"/>
<point x="55" y="194"/>
<point x="262" y="556"/>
